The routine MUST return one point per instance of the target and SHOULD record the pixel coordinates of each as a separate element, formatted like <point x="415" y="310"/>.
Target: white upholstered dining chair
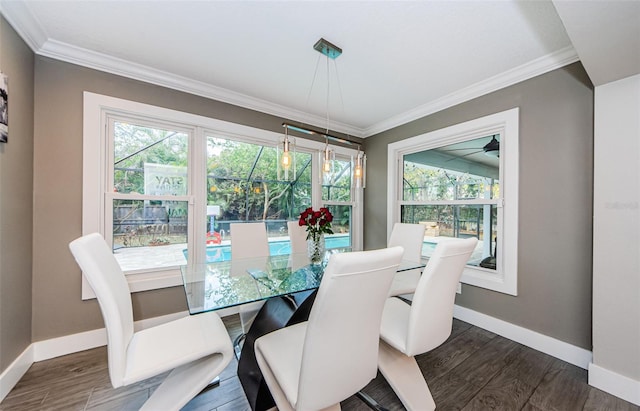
<point x="408" y="330"/>
<point x="298" y="240"/>
<point x="196" y="348"/>
<point x="248" y="240"/>
<point x="297" y="237"/>
<point x="316" y="364"/>
<point x="411" y="238"/>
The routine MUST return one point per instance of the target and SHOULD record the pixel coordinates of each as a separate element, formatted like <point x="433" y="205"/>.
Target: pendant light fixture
<point x="331" y="51"/>
<point x="286" y="158"/>
<point x="326" y="156"/>
<point x="327" y="159"/>
<point x="359" y="166"/>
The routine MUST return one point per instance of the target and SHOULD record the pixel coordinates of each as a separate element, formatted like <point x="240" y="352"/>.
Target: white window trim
<point x="357" y="197"/>
<point x="505" y="278"/>
<point x="95" y="149"/>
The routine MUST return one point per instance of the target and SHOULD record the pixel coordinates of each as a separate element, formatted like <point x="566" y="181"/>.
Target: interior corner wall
<point x="555" y="201"/>
<point x="59" y="88"/>
<point x="16" y="198"/>
<point x="616" y="231"/>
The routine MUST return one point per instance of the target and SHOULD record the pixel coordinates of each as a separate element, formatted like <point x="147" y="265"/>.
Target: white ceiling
<point x="401" y="60"/>
<point x="606" y="36"/>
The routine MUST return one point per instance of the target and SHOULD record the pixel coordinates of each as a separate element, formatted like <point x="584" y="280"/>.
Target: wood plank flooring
<point x="474" y="370"/>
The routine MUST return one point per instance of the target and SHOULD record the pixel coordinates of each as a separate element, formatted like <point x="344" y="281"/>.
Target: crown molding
<point x="29" y="28"/>
<point x="98" y="61"/>
<point x="102" y="62"/>
<point x="516" y="75"/>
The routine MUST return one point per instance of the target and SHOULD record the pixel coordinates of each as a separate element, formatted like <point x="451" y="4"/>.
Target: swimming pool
<point x="280" y="247"/>
<point x="427" y="248"/>
<point x="283" y="247"/>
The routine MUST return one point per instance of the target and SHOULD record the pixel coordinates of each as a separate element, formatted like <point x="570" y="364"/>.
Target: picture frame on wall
<point x="4" y="108"/>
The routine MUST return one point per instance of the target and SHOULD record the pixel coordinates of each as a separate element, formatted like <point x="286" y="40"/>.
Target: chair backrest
<point x="340" y="352"/>
<point x="103" y="272"/>
<point x="249" y="240"/>
<point x="297" y="237"/>
<point x="431" y="315"/>
<point x="410" y="237"/>
<point x="298" y="240"/>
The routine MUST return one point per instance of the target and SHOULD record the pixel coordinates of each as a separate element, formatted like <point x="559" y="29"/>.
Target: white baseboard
<point x="540" y="342"/>
<point x="68" y="344"/>
<point x="55" y="347"/>
<point x="615" y="384"/>
<point x="10" y="377"/>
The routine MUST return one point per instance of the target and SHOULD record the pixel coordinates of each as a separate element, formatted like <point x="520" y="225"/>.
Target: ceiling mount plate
<point x="326" y="48"/>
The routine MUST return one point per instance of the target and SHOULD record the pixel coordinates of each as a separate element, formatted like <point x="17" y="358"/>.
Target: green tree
<point x="135" y="145"/>
<point x="243" y="180"/>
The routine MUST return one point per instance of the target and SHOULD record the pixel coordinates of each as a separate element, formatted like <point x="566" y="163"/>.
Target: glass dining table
<point x="218" y="285"/>
<point x="287" y="284"/>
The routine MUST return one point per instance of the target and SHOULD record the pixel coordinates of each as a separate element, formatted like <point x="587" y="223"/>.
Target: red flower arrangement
<point x="317" y="222"/>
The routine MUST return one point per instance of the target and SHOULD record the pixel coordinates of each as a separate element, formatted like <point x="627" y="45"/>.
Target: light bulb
<point x="358" y="169"/>
<point x="326" y="167"/>
<point x="286" y="160"/>
<point x="326" y="164"/>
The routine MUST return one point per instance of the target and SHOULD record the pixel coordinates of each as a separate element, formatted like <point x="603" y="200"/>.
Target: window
<point x="337" y="196"/>
<point x="162" y="187"/>
<point x="462" y="181"/>
<point x="243" y="186"/>
<point x="149" y="200"/>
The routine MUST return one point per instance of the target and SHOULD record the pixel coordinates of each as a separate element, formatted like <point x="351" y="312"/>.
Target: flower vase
<point x="315" y="248"/>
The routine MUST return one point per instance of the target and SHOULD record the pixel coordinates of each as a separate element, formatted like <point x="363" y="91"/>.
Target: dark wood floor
<point x="474" y="370"/>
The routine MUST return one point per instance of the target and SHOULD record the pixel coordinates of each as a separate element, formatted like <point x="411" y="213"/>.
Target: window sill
<point x="142" y="281"/>
<point x="490" y="279"/>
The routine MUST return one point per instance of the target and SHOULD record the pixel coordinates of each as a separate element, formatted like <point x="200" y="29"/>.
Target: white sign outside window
<point x="165" y="180"/>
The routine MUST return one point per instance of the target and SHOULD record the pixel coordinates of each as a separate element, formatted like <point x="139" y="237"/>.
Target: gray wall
<point x="59" y="310"/>
<point x="555" y="195"/>
<point x="16" y="198"/>
<point x="556" y="112"/>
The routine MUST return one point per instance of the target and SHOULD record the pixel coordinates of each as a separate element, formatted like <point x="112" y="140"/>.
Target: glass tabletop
<point x="218" y="285"/>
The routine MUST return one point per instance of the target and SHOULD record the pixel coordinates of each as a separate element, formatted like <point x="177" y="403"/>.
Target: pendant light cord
<point x="328" y="93"/>
<point x="313" y="81"/>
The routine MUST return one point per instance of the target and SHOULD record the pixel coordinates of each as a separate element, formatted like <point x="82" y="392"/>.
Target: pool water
<point x="428" y="248"/>
<point x="283" y="247"/>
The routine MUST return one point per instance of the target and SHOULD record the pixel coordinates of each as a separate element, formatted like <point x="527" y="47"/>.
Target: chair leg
<point x="212" y="384"/>
<point x="185" y="382"/>
<point x="371" y="403"/>
<point x="406" y="379"/>
<point x="237" y="345"/>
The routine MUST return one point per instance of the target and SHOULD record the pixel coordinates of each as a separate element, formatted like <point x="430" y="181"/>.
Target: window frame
<point x="97" y="109"/>
<point x="506" y="123"/>
<point x="356" y="198"/>
<point x="110" y="196"/>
